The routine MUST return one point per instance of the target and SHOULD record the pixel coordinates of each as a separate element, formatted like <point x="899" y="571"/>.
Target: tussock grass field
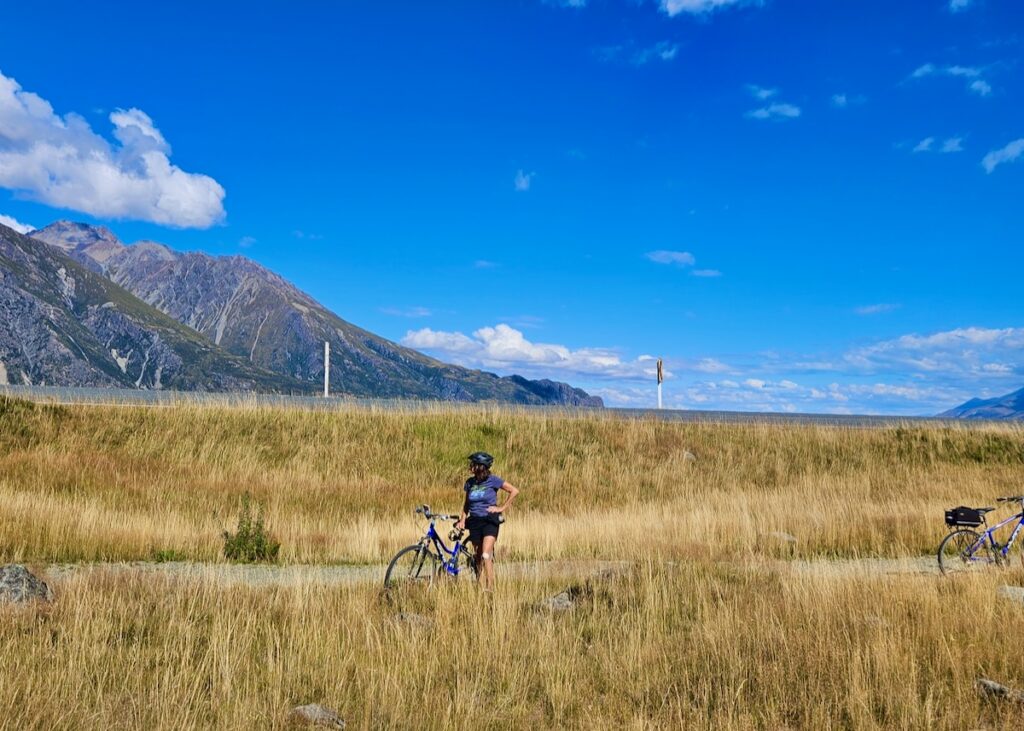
<point x="708" y="625"/>
<point x="118" y="483"/>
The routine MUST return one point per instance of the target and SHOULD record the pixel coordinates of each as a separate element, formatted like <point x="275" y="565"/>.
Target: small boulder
<point x="1013" y="593"/>
<point x="689" y="456"/>
<point x="414" y="620"/>
<point x="19" y="585"/>
<point x="565" y="600"/>
<point x="316" y="715"/>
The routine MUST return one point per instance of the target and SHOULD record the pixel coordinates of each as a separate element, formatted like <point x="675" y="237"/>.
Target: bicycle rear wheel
<point x="962" y="551"/>
<point x="413" y="565"/>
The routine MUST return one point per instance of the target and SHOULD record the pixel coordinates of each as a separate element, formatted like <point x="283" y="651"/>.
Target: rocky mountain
<point x="255" y="314"/>
<point x="62" y="324"/>
<point x="1010" y="406"/>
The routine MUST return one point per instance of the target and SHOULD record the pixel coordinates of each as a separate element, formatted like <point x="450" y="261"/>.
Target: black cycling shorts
<point x="482" y="526"/>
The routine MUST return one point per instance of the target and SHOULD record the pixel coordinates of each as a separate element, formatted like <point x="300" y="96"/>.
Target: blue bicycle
<point x="965" y="549"/>
<point x="422" y="563"/>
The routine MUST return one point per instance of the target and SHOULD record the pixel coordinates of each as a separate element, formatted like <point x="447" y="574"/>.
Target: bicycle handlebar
<point x="424" y="510"/>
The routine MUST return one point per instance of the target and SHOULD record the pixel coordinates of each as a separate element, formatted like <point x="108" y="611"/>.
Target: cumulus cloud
<point x="60" y="161"/>
<point x="711" y="273"/>
<point x="955" y="6"/>
<point x="951" y="354"/>
<point x="503" y="347"/>
<point x="699" y="7"/>
<point x="522" y="181"/>
<point x="840" y="100"/>
<point x="1011" y="152"/>
<point x="678" y="258"/>
<point x="22" y="228"/>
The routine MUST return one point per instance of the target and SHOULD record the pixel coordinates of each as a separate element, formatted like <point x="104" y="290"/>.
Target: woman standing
<point x="481" y="513"/>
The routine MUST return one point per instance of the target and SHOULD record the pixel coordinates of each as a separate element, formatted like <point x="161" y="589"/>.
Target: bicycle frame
<point x="449" y="558"/>
<point x="988" y="534"/>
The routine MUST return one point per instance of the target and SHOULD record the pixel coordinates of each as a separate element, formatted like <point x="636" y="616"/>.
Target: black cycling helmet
<point x="481" y="458"/>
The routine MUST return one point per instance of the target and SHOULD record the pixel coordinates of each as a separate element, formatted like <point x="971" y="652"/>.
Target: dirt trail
<point x="920" y="565"/>
<point x="306" y="575"/>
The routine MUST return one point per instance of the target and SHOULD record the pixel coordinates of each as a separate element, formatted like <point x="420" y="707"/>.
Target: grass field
<point x="705" y="627"/>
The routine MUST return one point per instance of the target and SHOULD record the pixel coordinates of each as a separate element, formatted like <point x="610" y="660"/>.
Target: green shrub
<point x="251" y="542"/>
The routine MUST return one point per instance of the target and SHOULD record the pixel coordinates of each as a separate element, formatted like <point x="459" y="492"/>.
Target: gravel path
<point x="305" y="575"/>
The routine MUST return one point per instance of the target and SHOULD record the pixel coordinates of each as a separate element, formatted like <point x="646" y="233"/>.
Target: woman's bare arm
<point x="512" y="491"/>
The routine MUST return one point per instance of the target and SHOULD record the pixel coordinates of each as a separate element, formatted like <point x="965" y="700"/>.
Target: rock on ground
<point x="19" y="585"/>
<point x="1014" y="593"/>
<point x="316" y="715"/>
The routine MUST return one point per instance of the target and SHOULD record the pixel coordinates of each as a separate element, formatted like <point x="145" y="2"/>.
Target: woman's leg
<point x="485" y="556"/>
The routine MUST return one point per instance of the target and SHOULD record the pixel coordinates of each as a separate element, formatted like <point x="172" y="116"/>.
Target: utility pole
<point x="661" y="377"/>
<point x="327" y="368"/>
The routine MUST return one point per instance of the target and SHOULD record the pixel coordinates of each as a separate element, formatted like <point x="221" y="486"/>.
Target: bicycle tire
<point x="954" y="557"/>
<point x="415" y="564"/>
<point x="467" y="563"/>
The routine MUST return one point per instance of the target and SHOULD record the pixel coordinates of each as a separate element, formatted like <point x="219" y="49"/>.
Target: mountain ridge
<point x="1008" y="407"/>
<point x="254" y="313"/>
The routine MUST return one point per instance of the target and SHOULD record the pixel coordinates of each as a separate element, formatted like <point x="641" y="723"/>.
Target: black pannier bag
<point x="964" y="516"/>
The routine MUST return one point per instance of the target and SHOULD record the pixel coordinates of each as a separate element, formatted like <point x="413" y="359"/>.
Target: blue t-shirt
<point x="482" y="495"/>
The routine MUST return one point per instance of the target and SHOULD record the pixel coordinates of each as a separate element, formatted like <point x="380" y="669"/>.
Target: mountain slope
<point x="258" y="315"/>
<point x="62" y="324"/>
<point x="1010" y="406"/>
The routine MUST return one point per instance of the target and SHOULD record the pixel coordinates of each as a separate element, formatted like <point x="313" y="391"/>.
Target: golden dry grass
<point x="703" y="630"/>
<point x="699" y="645"/>
<point x="101" y="483"/>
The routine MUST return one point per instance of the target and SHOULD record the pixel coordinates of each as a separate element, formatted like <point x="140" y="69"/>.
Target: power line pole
<point x="661" y="377"/>
<point x="327" y="368"/>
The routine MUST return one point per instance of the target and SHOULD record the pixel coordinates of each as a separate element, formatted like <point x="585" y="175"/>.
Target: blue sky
<point x="800" y="205"/>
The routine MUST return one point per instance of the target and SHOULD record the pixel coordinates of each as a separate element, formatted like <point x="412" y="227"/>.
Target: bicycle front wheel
<point x="964" y="551"/>
<point x="412" y="565"/>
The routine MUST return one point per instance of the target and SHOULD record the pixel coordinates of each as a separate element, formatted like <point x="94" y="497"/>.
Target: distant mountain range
<point x="83" y="309"/>
<point x="1010" y="406"/>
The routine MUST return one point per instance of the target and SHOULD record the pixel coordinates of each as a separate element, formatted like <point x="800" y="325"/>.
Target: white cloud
<point x="840" y="100"/>
<point x="924" y="145"/>
<point x="943" y="355"/>
<point x="981" y="87"/>
<point x="246" y="241"/>
<point x="1006" y="154"/>
<point x="663" y="51"/>
<point x="706" y="273"/>
<point x="484" y="264"/>
<point x="678" y="258"/>
<point x="409" y="312"/>
<point x="22" y="228"/>
<point x="775" y="111"/>
<point x="875" y="309"/>
<point x="760" y="92"/>
<point x="972" y="73"/>
<point x="711" y="365"/>
<point x="522" y="181"/>
<point x="955" y="6"/>
<point x="699" y="7"/>
<point x="504" y="347"/>
<point x="61" y="162"/>
<point x="952" y="144"/>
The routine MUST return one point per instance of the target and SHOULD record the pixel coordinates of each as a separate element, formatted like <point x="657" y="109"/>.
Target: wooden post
<point x="327" y="368"/>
